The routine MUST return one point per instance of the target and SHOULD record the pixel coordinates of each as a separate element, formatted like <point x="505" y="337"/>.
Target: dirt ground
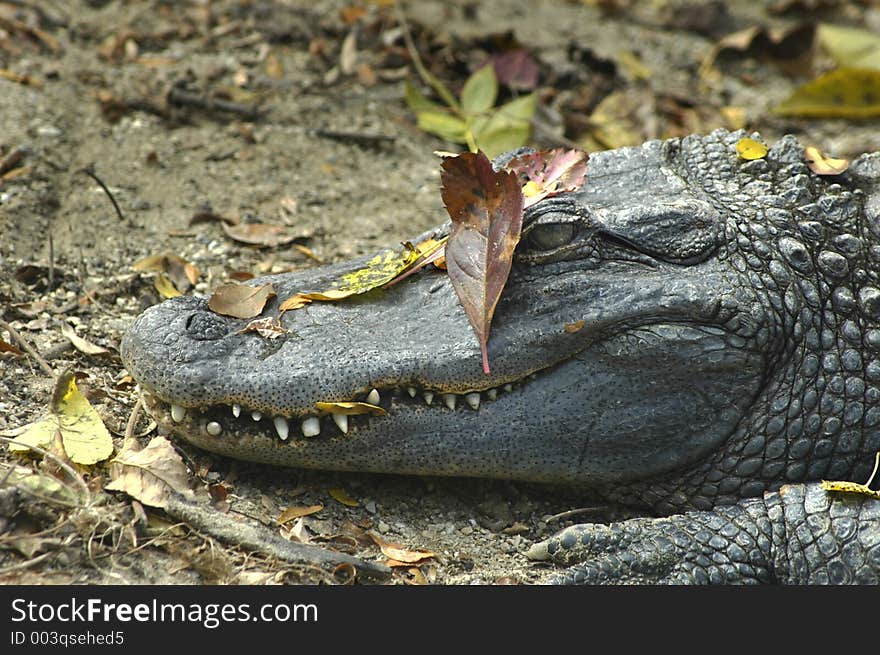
<point x="117" y="88"/>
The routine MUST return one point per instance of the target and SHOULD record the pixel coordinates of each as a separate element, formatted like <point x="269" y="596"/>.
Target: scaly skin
<point x="730" y="345"/>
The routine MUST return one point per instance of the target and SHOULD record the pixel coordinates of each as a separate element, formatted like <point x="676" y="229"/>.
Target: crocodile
<point x="689" y="332"/>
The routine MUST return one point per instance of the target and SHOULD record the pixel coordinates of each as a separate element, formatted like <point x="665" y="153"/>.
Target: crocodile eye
<point x="550" y="236"/>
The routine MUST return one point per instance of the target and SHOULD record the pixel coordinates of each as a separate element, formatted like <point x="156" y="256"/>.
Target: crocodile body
<point x="689" y="332"/>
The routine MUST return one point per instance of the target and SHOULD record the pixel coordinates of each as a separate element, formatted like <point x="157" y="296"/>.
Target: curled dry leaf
<point x="81" y="344"/>
<point x="486" y="208"/>
<point x="239" y="300"/>
<point x="268" y="328"/>
<point x="575" y="327"/>
<point x="549" y="172"/>
<point x="9" y="348"/>
<point x="84" y="437"/>
<point x="165" y="286"/>
<point x="180" y="272"/>
<point x="399" y="554"/>
<point x="151" y="475"/>
<point x="822" y="164"/>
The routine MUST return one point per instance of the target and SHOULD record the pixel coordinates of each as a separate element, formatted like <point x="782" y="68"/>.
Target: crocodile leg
<point x="798" y="535"/>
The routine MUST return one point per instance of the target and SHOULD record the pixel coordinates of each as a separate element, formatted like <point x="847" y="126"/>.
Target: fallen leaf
<point x="209" y="216"/>
<point x="852" y="93"/>
<point x="516" y="69"/>
<point x="9" y="348"/>
<point x="549" y="172"/>
<point x="506" y="127"/>
<point x="182" y="273"/>
<point x="822" y="164"/>
<point x="791" y="48"/>
<point x="850" y="46"/>
<point x="165" y="286"/>
<point x="151" y="475"/>
<point x="750" y="149"/>
<point x="85" y="439"/>
<point x="348" y="53"/>
<point x="294" y="302"/>
<point x="81" y="344"/>
<point x="486" y="208"/>
<point x="350" y="408"/>
<point x="239" y="300"/>
<point x="268" y="328"/>
<point x="262" y="234"/>
<point x="399" y="554"/>
<point x="577" y="326"/>
<point x="443" y="124"/>
<point x="37" y="483"/>
<point x="431" y="251"/>
<point x="293" y="513"/>
<point x="341" y="496"/>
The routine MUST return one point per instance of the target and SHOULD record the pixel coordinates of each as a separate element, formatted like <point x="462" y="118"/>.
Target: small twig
<point x="91" y="173"/>
<point x="574" y="512"/>
<point x="208" y="521"/>
<point x="12" y="159"/>
<point x="26" y="564"/>
<point x="132" y="420"/>
<point x="874" y="472"/>
<point x="183" y="98"/>
<point x="51" y="283"/>
<point x="28" y="347"/>
<point x="360" y="138"/>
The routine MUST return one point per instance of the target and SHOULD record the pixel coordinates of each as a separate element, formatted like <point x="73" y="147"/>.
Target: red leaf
<point x="486" y="208"/>
<point x="516" y="69"/>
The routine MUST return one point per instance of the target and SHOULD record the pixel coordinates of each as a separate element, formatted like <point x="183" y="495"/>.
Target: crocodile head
<point x="649" y="317"/>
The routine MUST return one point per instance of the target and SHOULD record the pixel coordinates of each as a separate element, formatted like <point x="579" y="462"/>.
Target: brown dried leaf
<point x="549" y="172"/>
<point x="82" y="345"/>
<point x="261" y="234"/>
<point x="822" y="164"/>
<point x="150" y="475"/>
<point x="486" y="208"/>
<point x="239" y="300"/>
<point x="208" y="216"/>
<point x="294" y="302"/>
<point x="577" y="326"/>
<point x="268" y="328"/>
<point x="399" y="554"/>
<point x="293" y="513"/>
<point x="9" y="348"/>
<point x="182" y="273"/>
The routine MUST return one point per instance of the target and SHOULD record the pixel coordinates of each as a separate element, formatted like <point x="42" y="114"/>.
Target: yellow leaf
<point x="850" y="487"/>
<point x="294" y="302"/>
<point x="351" y="408"/>
<point x="750" y="149"/>
<point x="340" y="496"/>
<point x="850" y="46"/>
<point x="165" y="286"/>
<point x="86" y="441"/>
<point x="843" y="93"/>
<point x="292" y="513"/>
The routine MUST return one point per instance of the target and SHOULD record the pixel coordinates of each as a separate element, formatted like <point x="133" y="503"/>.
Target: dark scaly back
<point x="804" y="259"/>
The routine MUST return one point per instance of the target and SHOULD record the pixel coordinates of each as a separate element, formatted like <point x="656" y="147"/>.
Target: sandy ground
<point x="345" y="196"/>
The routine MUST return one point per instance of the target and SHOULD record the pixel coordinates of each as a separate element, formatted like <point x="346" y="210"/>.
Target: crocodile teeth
<point x="492" y="394"/>
<point x="372" y="398"/>
<point x="508" y="388"/>
<point x="473" y="400"/>
<point x="311" y="427"/>
<point x="281" y="427"/>
<point x="411" y="391"/>
<point x="428" y="396"/>
<point x="341" y="421"/>
<point x="449" y="399"/>
<point x="177" y="413"/>
<point x="236" y="410"/>
<point x="256" y="416"/>
<point x="213" y="428"/>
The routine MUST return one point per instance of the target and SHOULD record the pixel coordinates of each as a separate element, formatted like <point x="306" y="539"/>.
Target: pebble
<point x="383" y="527"/>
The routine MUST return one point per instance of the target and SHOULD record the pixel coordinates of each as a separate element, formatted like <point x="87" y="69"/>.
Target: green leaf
<point x="418" y="101"/>
<point x="521" y="109"/>
<point x="850" y="46"/>
<point x="442" y="124"/>
<point x="844" y="93"/>
<point x="507" y="127"/>
<point x="480" y="91"/>
<point x="507" y="138"/>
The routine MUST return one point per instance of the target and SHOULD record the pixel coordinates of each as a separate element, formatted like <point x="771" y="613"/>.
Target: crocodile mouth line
<point x="219" y="420"/>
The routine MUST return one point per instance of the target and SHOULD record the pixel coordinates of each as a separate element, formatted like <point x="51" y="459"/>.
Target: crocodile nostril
<point x="205" y="326"/>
